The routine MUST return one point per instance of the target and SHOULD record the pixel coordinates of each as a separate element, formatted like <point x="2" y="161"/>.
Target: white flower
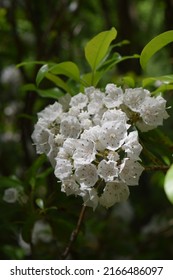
<point x="63" y="154"/>
<point x="63" y="168"/>
<point x="116" y="115"/>
<point x="40" y="137"/>
<point x="54" y="148"/>
<point x="96" y="102"/>
<point x="51" y="112"/>
<point x="83" y="115"/>
<point x="113" y="156"/>
<point x="69" y="186"/>
<point x="94" y="94"/>
<point x="87" y="140"/>
<point x="69" y="146"/>
<point x="89" y="92"/>
<point x="86" y="175"/>
<point x="143" y="126"/>
<point x="153" y="111"/>
<point x="114" y="192"/>
<point x="86" y="123"/>
<point x="90" y="197"/>
<point x="108" y="170"/>
<point x="96" y="118"/>
<point x="74" y="111"/>
<point x="80" y="101"/>
<point x="112" y="135"/>
<point x="114" y="96"/>
<point x="59" y="139"/>
<point x="85" y="120"/>
<point x="133" y="98"/>
<point x="131" y="145"/>
<point x="93" y="134"/>
<point x="10" y="195"/>
<point x="70" y="127"/>
<point x="130" y="171"/>
<point x="94" y="107"/>
<point x="85" y="152"/>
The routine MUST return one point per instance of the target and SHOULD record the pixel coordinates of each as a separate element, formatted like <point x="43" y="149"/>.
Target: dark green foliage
<point x="49" y="34"/>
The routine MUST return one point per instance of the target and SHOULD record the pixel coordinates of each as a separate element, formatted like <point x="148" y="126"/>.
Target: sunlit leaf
<point x="154" y="46"/>
<point x="107" y="64"/>
<point x="66" y="68"/>
<point x="41" y="74"/>
<point x="97" y="48"/>
<point x="116" y="58"/>
<point x="167" y="79"/>
<point x="93" y="79"/>
<point x="127" y="80"/>
<point x="88" y="79"/>
<point x="168" y="184"/>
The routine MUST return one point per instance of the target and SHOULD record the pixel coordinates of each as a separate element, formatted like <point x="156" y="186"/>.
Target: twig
<point x="157" y="168"/>
<point x="74" y="234"/>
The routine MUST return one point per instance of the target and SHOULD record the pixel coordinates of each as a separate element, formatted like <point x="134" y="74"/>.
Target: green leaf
<point x="41" y="74"/>
<point x="165" y="140"/>
<point x="31" y="175"/>
<point x="66" y="68"/>
<point x="54" y="93"/>
<point x="168" y="184"/>
<point x="163" y="88"/>
<point x="127" y="80"/>
<point x="167" y="79"/>
<point x="154" y="46"/>
<point x="40" y="203"/>
<point x="106" y="65"/>
<point x="88" y="79"/>
<point x="97" y="48"/>
<point x="28" y="87"/>
<point x="116" y="58"/>
<point x="25" y="63"/>
<point x="9" y="182"/>
<point x="45" y="173"/>
<point x="58" y="82"/>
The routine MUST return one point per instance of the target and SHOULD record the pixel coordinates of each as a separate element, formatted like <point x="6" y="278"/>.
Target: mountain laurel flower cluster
<point x="91" y="140"/>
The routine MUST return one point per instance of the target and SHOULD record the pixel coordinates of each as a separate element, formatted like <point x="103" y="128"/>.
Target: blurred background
<point x="57" y="30"/>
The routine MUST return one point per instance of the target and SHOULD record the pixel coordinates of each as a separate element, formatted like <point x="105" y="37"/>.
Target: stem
<point x="157" y="167"/>
<point x="74" y="234"/>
